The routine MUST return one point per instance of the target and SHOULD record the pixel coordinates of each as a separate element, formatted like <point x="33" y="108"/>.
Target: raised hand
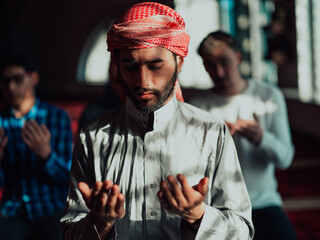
<point x="37" y="137"/>
<point x="105" y="202"/>
<point x="185" y="201"/>
<point x="231" y="127"/>
<point x="250" y="129"/>
<point x="3" y="142"/>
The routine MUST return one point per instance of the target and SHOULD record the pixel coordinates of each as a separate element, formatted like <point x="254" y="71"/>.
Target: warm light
<point x="304" y="57"/>
<point x="255" y="39"/>
<point x="201" y="17"/>
<point x="316" y="46"/>
<point x="96" y="70"/>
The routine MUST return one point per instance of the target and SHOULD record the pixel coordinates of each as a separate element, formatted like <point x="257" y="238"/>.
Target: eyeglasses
<point x="17" y="79"/>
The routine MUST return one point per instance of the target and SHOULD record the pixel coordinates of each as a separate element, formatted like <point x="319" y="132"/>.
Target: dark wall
<point x="55" y="32"/>
<point x="304" y="117"/>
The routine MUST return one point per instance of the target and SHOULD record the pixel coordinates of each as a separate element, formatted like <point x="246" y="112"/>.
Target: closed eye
<point x="155" y="66"/>
<point x="131" y="66"/>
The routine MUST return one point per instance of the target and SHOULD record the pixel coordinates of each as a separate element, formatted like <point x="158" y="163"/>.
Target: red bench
<point x="74" y="110"/>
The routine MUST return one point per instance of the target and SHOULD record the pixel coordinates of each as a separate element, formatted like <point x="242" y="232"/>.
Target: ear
<point x="239" y="57"/>
<point x="180" y="61"/>
<point x="35" y="78"/>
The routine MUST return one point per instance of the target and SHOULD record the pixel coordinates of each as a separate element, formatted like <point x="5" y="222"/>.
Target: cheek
<point x="126" y="77"/>
<point x="229" y="70"/>
<point x="212" y="73"/>
<point x="25" y="90"/>
<point x="165" y="75"/>
<point x="168" y="78"/>
<point x="211" y="70"/>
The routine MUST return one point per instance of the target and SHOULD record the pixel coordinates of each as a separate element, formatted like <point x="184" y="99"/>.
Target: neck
<point x="22" y="109"/>
<point x="150" y="121"/>
<point x="238" y="86"/>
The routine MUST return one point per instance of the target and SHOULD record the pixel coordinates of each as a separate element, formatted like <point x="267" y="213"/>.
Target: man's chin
<point x="146" y="106"/>
<point x="222" y="86"/>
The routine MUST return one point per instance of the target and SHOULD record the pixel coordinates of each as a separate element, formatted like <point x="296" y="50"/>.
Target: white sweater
<point x="275" y="150"/>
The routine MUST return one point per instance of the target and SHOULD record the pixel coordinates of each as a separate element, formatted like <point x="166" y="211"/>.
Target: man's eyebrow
<point x="127" y="60"/>
<point x="157" y="60"/>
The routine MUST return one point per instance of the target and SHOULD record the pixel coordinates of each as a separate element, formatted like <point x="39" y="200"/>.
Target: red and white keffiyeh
<point x="148" y="25"/>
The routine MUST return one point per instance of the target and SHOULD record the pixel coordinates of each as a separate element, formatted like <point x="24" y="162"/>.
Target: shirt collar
<point x="160" y="116"/>
<point x="32" y="113"/>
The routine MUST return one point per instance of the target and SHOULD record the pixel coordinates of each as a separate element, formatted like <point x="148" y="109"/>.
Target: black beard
<point x="161" y="97"/>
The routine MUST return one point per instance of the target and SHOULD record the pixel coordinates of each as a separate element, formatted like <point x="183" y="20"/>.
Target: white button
<point x="153" y="213"/>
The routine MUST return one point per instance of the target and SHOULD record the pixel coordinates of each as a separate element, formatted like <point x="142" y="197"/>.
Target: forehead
<point x="146" y="54"/>
<point x="217" y="49"/>
<point x="12" y="69"/>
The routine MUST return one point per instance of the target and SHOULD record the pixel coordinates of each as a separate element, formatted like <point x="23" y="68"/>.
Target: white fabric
<point x="185" y="140"/>
<point x="275" y="150"/>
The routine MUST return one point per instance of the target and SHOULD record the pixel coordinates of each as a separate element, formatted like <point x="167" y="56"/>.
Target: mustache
<point x="141" y="90"/>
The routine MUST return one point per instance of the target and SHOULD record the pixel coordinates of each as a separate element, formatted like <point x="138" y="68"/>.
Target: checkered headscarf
<point x="148" y="25"/>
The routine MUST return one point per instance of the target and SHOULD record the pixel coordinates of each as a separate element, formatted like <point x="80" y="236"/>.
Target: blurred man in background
<point x="256" y="115"/>
<point x="35" y="155"/>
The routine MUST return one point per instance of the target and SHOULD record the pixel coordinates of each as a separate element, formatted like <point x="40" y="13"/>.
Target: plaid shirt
<point x="41" y="187"/>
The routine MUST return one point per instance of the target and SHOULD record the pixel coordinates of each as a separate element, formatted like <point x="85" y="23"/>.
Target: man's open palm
<point x="185" y="201"/>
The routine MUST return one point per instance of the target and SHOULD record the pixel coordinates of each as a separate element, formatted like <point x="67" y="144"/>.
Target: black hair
<point x="17" y="58"/>
<point x="218" y="36"/>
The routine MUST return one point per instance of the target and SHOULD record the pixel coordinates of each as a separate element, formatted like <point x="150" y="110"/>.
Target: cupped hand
<point x="185" y="201"/>
<point x="105" y="202"/>
<point x="250" y="129"/>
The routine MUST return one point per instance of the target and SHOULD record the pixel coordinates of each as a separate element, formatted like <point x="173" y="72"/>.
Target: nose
<point x="220" y="71"/>
<point x="11" y="85"/>
<point x="144" y="77"/>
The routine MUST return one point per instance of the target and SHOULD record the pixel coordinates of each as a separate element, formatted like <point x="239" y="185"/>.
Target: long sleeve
<point x="113" y="148"/>
<point x="59" y="162"/>
<point x="77" y="222"/>
<point x="228" y="209"/>
<point x="276" y="141"/>
<point x="275" y="150"/>
<point x="41" y="185"/>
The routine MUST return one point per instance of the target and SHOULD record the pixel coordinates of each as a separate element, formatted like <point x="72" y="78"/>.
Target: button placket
<point x="153" y="213"/>
<point x="152" y="176"/>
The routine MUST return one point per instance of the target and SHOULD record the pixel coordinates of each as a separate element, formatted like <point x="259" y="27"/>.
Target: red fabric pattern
<point x="178" y="92"/>
<point x="147" y="25"/>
